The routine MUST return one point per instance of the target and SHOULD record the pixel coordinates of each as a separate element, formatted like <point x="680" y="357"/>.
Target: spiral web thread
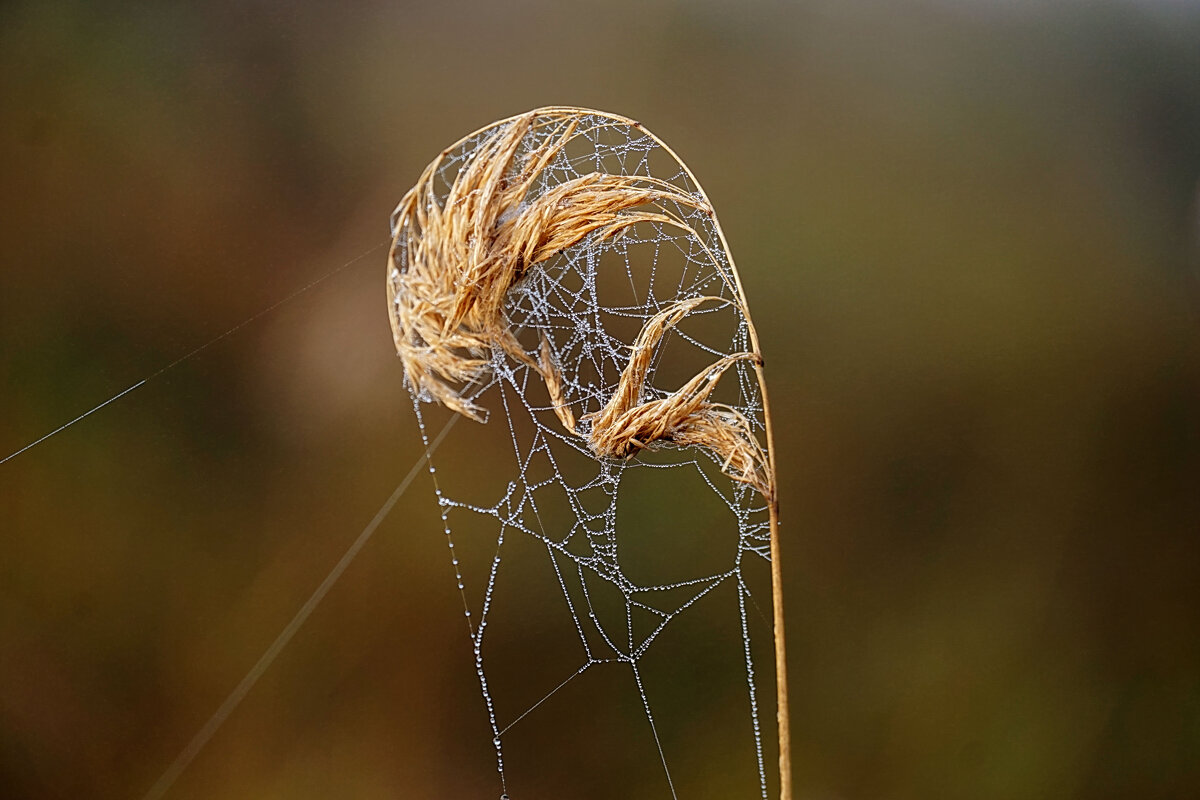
<point x="589" y="302"/>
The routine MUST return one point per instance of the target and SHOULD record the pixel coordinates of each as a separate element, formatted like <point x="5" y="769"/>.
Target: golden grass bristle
<point x="554" y="386"/>
<point x="453" y="262"/>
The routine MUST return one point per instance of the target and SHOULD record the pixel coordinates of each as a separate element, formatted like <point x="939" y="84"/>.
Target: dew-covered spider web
<point x="618" y="610"/>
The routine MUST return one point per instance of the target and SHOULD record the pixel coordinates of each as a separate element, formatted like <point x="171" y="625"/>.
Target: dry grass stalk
<point x="453" y="262"/>
<point x="451" y="265"/>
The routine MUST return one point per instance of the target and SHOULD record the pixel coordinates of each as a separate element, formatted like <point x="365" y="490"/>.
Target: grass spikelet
<point x="685" y="417"/>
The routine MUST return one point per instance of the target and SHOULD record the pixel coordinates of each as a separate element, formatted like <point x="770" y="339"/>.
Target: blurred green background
<point x="968" y="235"/>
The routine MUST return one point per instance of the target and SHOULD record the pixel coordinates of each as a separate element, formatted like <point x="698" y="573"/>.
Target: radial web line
<point x="206" y="732"/>
<point x="195" y="352"/>
<point x="637" y="676"/>
<point x="549" y="694"/>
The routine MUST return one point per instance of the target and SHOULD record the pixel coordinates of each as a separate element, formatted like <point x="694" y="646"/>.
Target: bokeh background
<point x="968" y="234"/>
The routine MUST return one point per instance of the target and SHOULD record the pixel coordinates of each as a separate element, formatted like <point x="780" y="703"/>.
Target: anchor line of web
<point x="196" y="351"/>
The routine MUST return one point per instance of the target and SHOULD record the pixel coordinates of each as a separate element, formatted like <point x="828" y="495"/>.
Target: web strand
<point x="230" y="704"/>
<point x="198" y="350"/>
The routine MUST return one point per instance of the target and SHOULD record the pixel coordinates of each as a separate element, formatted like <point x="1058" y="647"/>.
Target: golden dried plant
<point x="455" y="258"/>
<point x="458" y="251"/>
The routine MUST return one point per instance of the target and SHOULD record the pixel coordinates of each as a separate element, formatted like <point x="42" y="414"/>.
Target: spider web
<point x="547" y="546"/>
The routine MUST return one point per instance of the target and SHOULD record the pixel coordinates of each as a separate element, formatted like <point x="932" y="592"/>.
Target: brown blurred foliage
<point x="968" y="235"/>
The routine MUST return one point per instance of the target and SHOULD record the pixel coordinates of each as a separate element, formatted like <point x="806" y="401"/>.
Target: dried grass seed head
<point x="453" y="261"/>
